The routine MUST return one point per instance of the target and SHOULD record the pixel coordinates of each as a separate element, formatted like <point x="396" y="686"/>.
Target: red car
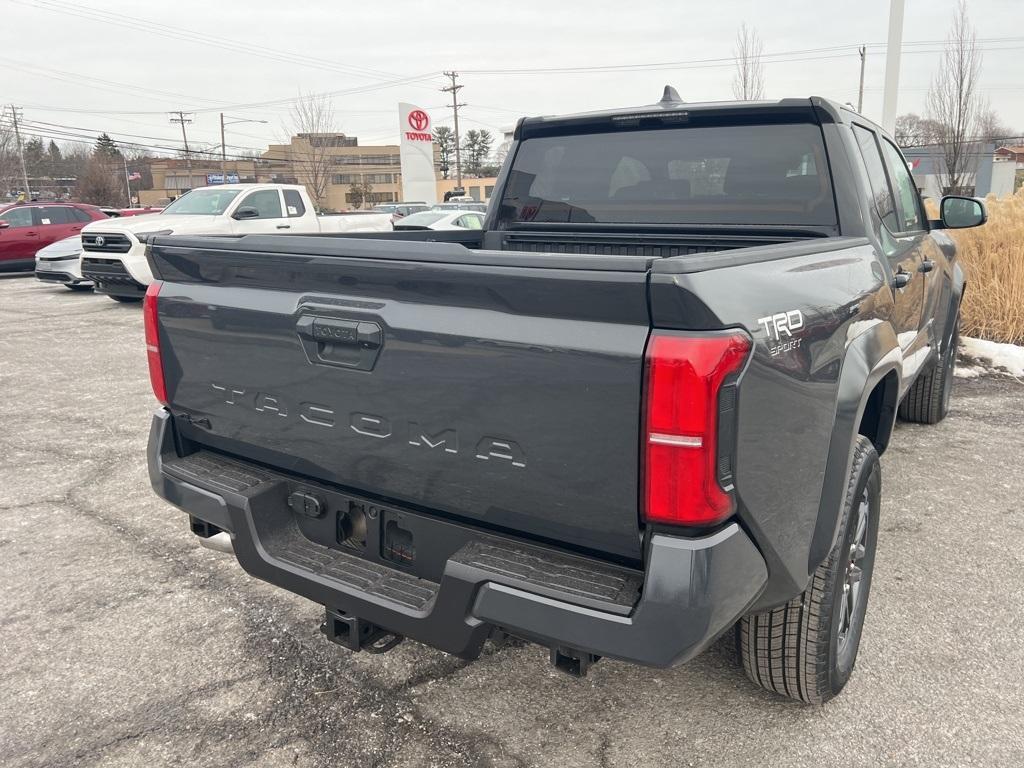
<point x="27" y="227"/>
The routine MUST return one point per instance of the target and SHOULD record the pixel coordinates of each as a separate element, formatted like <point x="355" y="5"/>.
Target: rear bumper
<point x="692" y="589"/>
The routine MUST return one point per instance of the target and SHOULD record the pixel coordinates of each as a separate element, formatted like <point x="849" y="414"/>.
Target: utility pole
<point x="21" y="152"/>
<point x="223" y="153"/>
<point x="454" y="90"/>
<point x="863" y="51"/>
<point x="188" y="156"/>
<point x="892" y="65"/>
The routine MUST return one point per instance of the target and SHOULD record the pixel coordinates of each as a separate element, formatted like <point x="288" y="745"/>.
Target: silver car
<point x="59" y="263"/>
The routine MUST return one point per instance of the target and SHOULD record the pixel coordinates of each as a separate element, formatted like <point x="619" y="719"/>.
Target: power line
<point x="831" y="52"/>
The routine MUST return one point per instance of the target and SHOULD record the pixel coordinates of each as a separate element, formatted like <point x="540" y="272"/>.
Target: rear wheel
<point x="927" y="400"/>
<point x="806" y="648"/>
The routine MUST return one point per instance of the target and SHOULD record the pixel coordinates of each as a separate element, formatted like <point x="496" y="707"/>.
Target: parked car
<point x="400" y="210"/>
<point x="60" y="263"/>
<point x="641" y="409"/>
<point x="460" y="206"/>
<point x="114" y="250"/>
<point x="25" y="228"/>
<point x="116" y="213"/>
<point x="442" y="220"/>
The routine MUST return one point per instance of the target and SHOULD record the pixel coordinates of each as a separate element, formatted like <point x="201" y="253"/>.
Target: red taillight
<point x="156" y="366"/>
<point x="684" y="377"/>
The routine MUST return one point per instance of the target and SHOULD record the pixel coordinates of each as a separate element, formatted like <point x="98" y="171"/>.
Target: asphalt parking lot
<point x="123" y="643"/>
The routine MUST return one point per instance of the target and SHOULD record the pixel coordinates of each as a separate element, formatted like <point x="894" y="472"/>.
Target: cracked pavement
<point x="123" y="643"/>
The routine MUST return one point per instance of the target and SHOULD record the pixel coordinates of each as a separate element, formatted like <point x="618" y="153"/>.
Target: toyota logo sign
<point x="419" y="120"/>
<point x="100" y="241"/>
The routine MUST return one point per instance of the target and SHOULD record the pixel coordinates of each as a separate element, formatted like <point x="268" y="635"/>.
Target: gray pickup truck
<point x="642" y="408"/>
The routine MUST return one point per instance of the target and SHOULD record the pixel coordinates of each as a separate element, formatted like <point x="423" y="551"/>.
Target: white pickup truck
<point x="114" y="250"/>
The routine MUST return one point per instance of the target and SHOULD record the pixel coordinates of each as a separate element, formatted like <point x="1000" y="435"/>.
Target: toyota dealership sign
<point x="419" y="182"/>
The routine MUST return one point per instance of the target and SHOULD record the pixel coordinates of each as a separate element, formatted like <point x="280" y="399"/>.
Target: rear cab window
<point x="293" y="203"/>
<point x="760" y="174"/>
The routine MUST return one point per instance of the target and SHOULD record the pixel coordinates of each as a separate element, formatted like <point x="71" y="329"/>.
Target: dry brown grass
<point x="993" y="258"/>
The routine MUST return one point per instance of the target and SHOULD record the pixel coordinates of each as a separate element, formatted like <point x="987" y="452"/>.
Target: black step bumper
<point x="693" y="589"/>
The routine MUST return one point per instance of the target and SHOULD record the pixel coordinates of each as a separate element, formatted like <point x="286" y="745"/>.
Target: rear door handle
<point x="927" y="265"/>
<point x="284" y="226"/>
<point x="342" y="343"/>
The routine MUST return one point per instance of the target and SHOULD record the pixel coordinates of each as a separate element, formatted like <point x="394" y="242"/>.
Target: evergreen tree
<point x="55" y="161"/>
<point x="106" y="147"/>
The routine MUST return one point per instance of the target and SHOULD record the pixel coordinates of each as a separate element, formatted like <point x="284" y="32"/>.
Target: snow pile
<point x="978" y="357"/>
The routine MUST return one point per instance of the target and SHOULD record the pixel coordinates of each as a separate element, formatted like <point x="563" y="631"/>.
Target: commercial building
<point x="988" y="173"/>
<point x="334" y="162"/>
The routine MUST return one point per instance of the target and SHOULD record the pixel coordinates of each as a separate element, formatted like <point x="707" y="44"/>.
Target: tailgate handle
<point x="343" y="343"/>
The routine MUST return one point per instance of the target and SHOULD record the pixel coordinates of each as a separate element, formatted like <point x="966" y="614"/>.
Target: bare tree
<point x="748" y="82"/>
<point x="953" y="100"/>
<point x="101" y="184"/>
<point x="10" y="168"/>
<point x="313" y="120"/>
<point x="914" y="131"/>
<point x="360" y="192"/>
<point x="990" y="127"/>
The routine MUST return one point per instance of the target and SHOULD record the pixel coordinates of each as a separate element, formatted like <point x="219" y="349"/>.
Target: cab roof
<point x="672" y="110"/>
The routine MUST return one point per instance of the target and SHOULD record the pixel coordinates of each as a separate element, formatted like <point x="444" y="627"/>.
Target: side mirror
<point x="246" y="212"/>
<point x="4" y="224"/>
<point x="956" y="212"/>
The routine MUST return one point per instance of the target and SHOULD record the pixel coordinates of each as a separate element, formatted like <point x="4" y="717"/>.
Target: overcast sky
<point x="119" y="66"/>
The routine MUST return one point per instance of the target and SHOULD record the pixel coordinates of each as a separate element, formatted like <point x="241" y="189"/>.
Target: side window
<point x="472" y="221"/>
<point x="907" y="200"/>
<point x="55" y="214"/>
<point x="293" y="203"/>
<point x="882" y="194"/>
<point x="18" y="217"/>
<point x="80" y="215"/>
<point x="266" y="201"/>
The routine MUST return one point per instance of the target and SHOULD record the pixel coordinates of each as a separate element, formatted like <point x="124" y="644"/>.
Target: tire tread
<point x="786" y="649"/>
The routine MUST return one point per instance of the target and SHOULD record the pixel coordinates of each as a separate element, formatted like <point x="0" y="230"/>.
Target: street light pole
<point x="223" y="153"/>
<point x="224" y="145"/>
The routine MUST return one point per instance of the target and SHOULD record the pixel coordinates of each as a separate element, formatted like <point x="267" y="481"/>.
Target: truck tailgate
<point x="502" y="389"/>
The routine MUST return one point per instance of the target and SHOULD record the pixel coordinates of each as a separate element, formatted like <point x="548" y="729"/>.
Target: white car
<point x="59" y="263"/>
<point x="114" y="250"/>
<point x="460" y="219"/>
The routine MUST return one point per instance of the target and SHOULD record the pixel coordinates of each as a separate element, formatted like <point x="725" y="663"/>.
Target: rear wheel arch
<point x="879" y="411"/>
<point x="871" y="365"/>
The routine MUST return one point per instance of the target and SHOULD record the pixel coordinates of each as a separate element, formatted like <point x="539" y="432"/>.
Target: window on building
<point x="488" y="191"/>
